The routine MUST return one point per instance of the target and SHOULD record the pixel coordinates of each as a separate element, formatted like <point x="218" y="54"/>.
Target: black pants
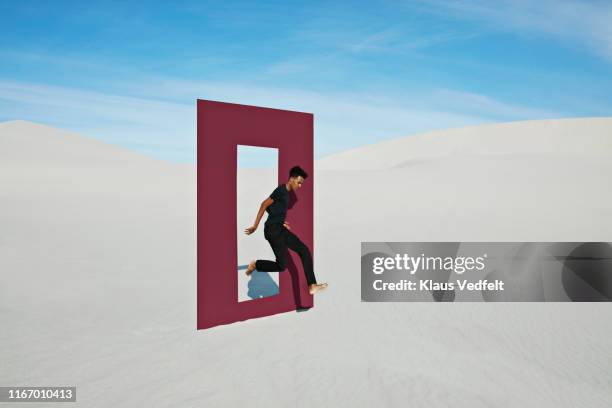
<point x="280" y="239"/>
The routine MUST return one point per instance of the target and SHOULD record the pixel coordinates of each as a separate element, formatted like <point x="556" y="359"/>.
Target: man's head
<point x="297" y="175"/>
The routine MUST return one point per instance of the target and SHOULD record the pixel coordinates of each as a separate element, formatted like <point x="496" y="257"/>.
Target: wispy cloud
<point x="144" y="124"/>
<point x="486" y="106"/>
<point x="131" y="76"/>
<point x="406" y="33"/>
<point x="578" y="22"/>
<point x="154" y="122"/>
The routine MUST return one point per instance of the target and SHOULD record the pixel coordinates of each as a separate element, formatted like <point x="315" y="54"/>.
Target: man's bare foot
<point x="315" y="287"/>
<point x="251" y="268"/>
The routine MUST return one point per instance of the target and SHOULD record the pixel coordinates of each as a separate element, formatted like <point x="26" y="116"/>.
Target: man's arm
<point x="262" y="208"/>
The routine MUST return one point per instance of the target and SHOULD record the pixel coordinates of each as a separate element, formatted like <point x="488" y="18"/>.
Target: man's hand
<point x="286" y="224"/>
<point x="250" y="230"/>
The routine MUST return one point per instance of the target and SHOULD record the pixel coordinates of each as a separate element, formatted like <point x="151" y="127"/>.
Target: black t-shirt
<point x="278" y="209"/>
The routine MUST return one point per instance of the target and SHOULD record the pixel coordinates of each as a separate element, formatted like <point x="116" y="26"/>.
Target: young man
<point x="277" y="233"/>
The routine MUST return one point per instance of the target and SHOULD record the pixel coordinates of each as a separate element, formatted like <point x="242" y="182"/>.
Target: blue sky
<point x="129" y="73"/>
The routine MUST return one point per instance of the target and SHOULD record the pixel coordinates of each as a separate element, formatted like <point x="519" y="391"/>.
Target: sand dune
<point x="582" y="137"/>
<point x="97" y="282"/>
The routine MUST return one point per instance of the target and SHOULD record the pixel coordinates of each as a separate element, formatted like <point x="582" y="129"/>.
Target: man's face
<point x="296" y="182"/>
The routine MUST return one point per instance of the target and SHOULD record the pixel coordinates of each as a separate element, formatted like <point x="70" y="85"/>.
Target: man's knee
<point x="297" y="245"/>
<point x="301" y="248"/>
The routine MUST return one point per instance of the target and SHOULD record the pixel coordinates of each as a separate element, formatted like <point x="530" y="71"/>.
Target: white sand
<point x="98" y="257"/>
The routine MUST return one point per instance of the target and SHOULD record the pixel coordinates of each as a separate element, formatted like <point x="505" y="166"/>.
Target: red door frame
<point x="221" y="127"/>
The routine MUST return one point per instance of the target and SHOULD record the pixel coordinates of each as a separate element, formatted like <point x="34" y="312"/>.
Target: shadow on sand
<point x="262" y="285"/>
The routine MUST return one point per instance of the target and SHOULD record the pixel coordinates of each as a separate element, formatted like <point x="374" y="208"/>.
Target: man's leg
<point x="298" y="246"/>
<point x="278" y="243"/>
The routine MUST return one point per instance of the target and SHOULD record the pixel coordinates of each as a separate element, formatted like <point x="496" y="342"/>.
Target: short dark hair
<point x="297" y="171"/>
